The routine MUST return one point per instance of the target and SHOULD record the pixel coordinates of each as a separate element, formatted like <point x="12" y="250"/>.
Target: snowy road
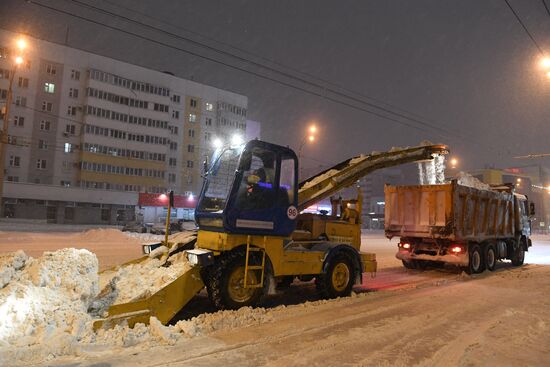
<point x="436" y="317"/>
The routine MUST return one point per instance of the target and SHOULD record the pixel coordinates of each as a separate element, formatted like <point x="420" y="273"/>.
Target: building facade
<point x="93" y="124"/>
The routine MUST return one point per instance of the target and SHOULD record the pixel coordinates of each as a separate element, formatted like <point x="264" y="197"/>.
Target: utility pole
<point x="21" y="44"/>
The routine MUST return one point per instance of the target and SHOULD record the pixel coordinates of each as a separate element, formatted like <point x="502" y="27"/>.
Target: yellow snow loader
<point x="254" y="235"/>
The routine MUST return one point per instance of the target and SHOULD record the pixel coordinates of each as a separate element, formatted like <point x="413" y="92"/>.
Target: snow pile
<point x="10" y="264"/>
<point x="223" y="320"/>
<point x="466" y="179"/>
<point x="43" y="305"/>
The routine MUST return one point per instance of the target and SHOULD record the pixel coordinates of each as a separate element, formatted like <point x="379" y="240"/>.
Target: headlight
<point x="193" y="258"/>
<point x="200" y="257"/>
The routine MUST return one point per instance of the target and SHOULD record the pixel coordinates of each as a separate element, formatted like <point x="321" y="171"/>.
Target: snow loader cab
<point x="250" y="189"/>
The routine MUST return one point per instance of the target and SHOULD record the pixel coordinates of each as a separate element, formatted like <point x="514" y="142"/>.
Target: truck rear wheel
<point x="225" y="283"/>
<point x="518" y="256"/>
<point x="338" y="279"/>
<point x="476" y="263"/>
<point x="490" y="257"/>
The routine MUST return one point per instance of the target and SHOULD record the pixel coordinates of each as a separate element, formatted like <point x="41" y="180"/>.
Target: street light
<point x="21" y="45"/>
<point x="545" y="62"/>
<point x="217" y="143"/>
<point x="453" y="162"/>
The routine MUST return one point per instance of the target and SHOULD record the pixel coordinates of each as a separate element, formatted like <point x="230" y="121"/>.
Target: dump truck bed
<point x="449" y="211"/>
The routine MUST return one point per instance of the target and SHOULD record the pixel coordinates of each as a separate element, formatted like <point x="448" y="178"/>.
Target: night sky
<point x="465" y="66"/>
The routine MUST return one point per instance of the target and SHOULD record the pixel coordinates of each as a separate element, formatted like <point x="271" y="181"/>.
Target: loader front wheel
<point x="338" y="279"/>
<point x="225" y="283"/>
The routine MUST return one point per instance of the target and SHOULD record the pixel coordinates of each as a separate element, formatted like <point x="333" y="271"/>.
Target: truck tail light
<point x="405" y="245"/>
<point x="456" y="249"/>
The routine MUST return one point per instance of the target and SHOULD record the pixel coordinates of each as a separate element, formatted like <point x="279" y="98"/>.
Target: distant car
<point x="134" y="227"/>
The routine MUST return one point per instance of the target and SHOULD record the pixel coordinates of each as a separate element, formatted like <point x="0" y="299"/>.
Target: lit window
<point x="68" y="148"/>
<point x="209" y="106"/>
<point x="192" y="117"/>
<point x="49" y="87"/>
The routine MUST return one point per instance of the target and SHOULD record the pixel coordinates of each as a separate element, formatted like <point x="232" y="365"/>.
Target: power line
<point x="546" y="7"/>
<point x="274" y="62"/>
<point x="332" y="99"/>
<point x="524" y="27"/>
<point x="248" y="60"/>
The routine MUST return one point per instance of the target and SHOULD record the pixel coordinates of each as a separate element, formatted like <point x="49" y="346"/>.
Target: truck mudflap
<point x="368" y="262"/>
<point x="163" y="305"/>
<point x="458" y="259"/>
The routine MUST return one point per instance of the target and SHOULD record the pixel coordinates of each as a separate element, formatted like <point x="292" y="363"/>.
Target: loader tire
<point x="338" y="279"/>
<point x="225" y="283"/>
<point x="409" y="264"/>
<point x="476" y="263"/>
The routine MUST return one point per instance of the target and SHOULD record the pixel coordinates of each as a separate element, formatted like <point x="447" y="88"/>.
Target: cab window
<point x="257" y="186"/>
<point x="286" y="182"/>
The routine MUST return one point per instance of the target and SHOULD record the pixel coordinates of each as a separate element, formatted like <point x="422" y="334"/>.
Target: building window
<point x="207" y="136"/>
<point x="193" y="102"/>
<point x="173" y="145"/>
<point x="176" y="98"/>
<point x="191" y="133"/>
<point x="50" y="69"/>
<point x="189" y="164"/>
<point x="18" y="121"/>
<point x="44" y="125"/>
<point x="71" y="111"/>
<point x="69" y="211"/>
<point x="23" y="82"/>
<point x="20" y="101"/>
<point x="4" y="73"/>
<point x="13" y="179"/>
<point x="47" y="106"/>
<point x="49" y="87"/>
<point x="75" y="74"/>
<point x="171" y="177"/>
<point x="73" y="92"/>
<point x="65" y="183"/>
<point x="40" y="164"/>
<point x="190" y="148"/>
<point x="70" y="129"/>
<point x="176" y="114"/>
<point x="208" y="121"/>
<point x="172" y="162"/>
<point x="42" y="144"/>
<point x="68" y="148"/>
<point x="106" y="215"/>
<point x="192" y="117"/>
<point x="209" y="106"/>
<point x="15" y="161"/>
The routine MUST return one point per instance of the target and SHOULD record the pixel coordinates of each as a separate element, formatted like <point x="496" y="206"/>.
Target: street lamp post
<point x="4" y="133"/>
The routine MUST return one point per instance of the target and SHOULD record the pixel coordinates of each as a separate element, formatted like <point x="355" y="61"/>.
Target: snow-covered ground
<point x="402" y="317"/>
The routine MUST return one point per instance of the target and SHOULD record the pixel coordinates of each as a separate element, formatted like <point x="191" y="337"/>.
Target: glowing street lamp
<point x="21" y="44"/>
<point x="236" y="140"/>
<point x="453" y="162"/>
<point x="217" y="143"/>
<point x="18" y="60"/>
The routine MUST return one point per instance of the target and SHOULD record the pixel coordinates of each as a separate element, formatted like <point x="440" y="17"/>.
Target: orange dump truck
<point x="450" y="223"/>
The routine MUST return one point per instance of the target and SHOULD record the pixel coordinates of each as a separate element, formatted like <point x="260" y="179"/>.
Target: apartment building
<point x="102" y="128"/>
